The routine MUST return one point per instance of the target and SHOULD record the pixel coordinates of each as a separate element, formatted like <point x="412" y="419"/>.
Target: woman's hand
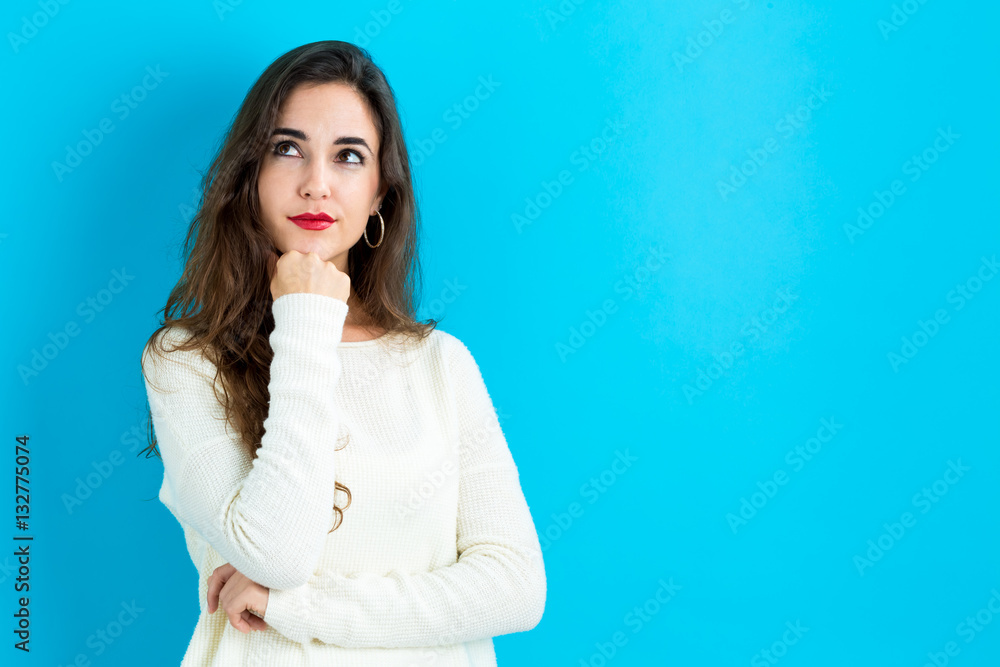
<point x="298" y="272"/>
<point x="239" y="597"/>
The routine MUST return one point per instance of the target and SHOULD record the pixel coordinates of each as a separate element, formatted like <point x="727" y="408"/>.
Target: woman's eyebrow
<point x="299" y="134"/>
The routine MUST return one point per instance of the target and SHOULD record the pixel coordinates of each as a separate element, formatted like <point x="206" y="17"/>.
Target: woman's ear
<point x="381" y="196"/>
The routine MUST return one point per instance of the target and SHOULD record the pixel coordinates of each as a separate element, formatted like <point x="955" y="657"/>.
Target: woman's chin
<point x="305" y="248"/>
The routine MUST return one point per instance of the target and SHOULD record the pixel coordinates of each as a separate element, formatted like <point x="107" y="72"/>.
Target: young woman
<point x="345" y="489"/>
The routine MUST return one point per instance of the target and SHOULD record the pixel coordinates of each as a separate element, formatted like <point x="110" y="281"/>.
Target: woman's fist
<point x="243" y="600"/>
<point x="298" y="272"/>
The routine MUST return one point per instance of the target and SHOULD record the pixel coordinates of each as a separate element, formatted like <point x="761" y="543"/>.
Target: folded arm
<point x="497" y="586"/>
<point x="267" y="516"/>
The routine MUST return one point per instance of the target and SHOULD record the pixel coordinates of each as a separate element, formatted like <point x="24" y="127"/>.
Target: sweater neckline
<point x="364" y="343"/>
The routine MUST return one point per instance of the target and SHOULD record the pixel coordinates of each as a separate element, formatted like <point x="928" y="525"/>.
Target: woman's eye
<point x="360" y="160"/>
<point x="278" y="148"/>
<point x="286" y="148"/>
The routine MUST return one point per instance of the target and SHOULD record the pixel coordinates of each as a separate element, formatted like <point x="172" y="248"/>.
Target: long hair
<point x="223" y="296"/>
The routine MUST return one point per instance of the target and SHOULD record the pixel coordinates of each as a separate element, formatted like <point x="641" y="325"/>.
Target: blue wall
<point x="729" y="269"/>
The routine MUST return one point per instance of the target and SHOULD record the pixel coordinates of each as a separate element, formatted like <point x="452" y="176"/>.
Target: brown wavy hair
<point x="223" y="296"/>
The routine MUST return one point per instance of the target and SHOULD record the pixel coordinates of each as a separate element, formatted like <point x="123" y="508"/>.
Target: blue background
<point x="590" y="346"/>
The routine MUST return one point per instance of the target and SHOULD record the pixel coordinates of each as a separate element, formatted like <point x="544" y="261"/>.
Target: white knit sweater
<point x="437" y="553"/>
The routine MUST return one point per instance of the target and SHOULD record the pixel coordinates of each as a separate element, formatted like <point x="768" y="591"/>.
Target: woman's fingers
<point x="255" y="622"/>
<point x="245" y="621"/>
<point x="238" y="622"/>
<point x="216" y="581"/>
<point x="236" y="595"/>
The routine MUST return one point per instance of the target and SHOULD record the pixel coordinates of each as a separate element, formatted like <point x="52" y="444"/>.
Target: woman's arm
<point x="269" y="517"/>
<point x="498" y="585"/>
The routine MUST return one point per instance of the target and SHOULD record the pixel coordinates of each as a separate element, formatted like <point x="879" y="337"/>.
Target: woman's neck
<point x="359" y="326"/>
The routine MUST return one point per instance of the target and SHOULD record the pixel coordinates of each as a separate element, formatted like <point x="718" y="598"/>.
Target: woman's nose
<point x="316" y="180"/>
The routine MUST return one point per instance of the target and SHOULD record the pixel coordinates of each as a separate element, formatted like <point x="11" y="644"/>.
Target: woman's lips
<point x="312" y="223"/>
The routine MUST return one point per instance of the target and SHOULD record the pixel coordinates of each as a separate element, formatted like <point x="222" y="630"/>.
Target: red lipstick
<point x="312" y="221"/>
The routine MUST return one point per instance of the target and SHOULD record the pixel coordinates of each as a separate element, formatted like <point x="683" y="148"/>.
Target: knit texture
<point x="437" y="552"/>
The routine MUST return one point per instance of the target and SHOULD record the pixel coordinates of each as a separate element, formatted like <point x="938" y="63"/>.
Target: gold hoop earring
<point x="381" y="235"/>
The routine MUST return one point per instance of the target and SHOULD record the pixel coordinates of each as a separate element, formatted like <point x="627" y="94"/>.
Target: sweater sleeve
<point x="497" y="586"/>
<point x="267" y="516"/>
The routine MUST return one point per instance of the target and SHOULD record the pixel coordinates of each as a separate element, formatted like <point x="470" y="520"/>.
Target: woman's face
<point x="323" y="159"/>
